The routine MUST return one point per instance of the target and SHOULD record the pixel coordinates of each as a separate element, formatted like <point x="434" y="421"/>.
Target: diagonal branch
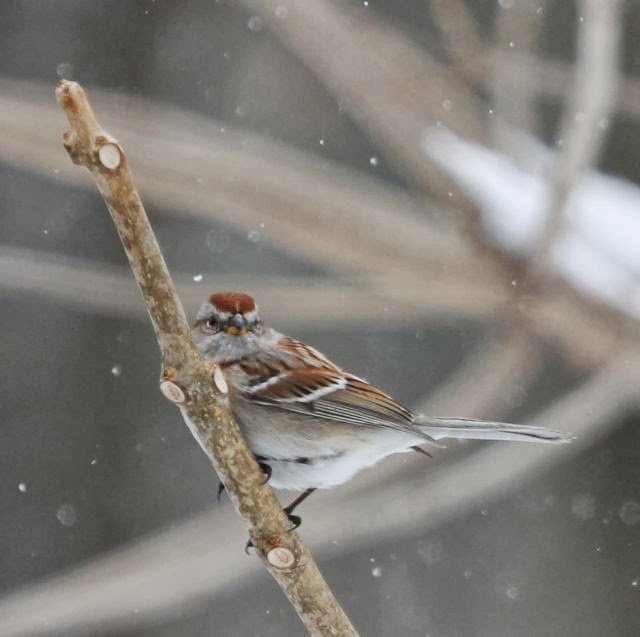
<point x="391" y="87"/>
<point x="187" y="380"/>
<point x="591" y="102"/>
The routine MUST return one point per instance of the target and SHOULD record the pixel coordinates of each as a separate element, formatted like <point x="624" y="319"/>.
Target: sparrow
<point x="311" y="424"/>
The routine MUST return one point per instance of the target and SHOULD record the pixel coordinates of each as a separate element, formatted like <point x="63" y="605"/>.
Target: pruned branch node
<point x="281" y="557"/>
<point x="172" y="391"/>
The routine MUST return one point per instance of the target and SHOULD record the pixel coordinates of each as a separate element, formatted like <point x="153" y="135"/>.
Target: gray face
<point x="226" y="336"/>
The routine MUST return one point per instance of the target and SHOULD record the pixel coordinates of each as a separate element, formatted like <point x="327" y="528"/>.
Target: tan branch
<point x="91" y="287"/>
<point x="391" y="87"/>
<point x="308" y="208"/>
<point x="591" y="102"/>
<point x="459" y="29"/>
<point x="187" y="380"/>
<point x="589" y="335"/>
<point x="551" y="78"/>
<point x="514" y="105"/>
<point x="487" y="380"/>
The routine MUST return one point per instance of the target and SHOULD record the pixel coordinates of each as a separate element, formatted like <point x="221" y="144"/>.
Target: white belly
<point x="315" y="454"/>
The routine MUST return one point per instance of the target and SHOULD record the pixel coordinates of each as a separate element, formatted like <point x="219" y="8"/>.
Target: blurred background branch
<point x="408" y="256"/>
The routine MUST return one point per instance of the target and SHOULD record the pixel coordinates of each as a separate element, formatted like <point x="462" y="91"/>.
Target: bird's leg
<point x="288" y="510"/>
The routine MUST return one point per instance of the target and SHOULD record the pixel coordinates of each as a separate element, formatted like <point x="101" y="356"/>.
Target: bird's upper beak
<point x="237" y="325"/>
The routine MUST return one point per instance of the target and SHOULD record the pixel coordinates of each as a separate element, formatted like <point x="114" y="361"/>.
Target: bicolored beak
<point x="237" y="325"/>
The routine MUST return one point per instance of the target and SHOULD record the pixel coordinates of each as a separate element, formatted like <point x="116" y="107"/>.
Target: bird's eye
<point x="213" y="324"/>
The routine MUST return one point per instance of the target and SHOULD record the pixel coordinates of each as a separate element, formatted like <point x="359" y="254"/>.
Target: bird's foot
<point x="266" y="469"/>
<point x="295" y="520"/>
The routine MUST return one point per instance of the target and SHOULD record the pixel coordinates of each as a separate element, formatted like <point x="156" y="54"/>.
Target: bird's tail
<point x="438" y="428"/>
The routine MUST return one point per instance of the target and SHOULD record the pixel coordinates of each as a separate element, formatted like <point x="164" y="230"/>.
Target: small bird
<point x="311" y="424"/>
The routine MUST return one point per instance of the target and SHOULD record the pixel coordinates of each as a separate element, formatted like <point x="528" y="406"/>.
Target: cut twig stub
<point x="281" y="557"/>
<point x="219" y="380"/>
<point x="109" y="155"/>
<point x="172" y="391"/>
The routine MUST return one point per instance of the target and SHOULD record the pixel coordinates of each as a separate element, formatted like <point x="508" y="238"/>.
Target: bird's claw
<point x="295" y="520"/>
<point x="266" y="469"/>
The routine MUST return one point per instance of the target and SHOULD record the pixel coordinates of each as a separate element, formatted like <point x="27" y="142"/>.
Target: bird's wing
<point x="298" y="378"/>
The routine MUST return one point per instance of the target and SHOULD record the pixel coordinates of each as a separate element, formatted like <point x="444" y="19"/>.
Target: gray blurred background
<point x="278" y="147"/>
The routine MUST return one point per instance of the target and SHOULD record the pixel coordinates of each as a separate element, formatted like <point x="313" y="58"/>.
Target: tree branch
<point x="391" y="87"/>
<point x="186" y="378"/>
<point x="588" y="106"/>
